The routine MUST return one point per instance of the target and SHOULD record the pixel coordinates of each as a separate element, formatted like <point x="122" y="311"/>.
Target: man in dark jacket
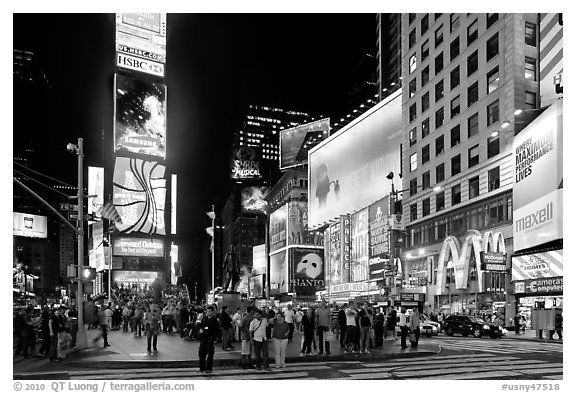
<point x="207" y="334"/>
<point x="342" y="324"/>
<point x="391" y="323"/>
<point x="225" y="326"/>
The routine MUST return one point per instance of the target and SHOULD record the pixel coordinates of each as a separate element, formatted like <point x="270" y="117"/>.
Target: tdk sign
<point x="141" y="65"/>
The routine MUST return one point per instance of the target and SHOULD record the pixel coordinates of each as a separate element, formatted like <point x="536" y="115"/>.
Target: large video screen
<point x="139" y="195"/>
<point x="252" y="200"/>
<point x="30" y="225"/>
<point x="140" y="116"/>
<point x="295" y="142"/>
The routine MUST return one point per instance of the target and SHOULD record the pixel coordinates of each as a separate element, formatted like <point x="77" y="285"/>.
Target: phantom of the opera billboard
<point x="295" y="142"/>
<point x="252" y="200"/>
<point x="139" y="195"/>
<point x="245" y="164"/>
<point x="307" y="268"/>
<point x="139" y="116"/>
<point x="348" y="170"/>
<point x="538" y="185"/>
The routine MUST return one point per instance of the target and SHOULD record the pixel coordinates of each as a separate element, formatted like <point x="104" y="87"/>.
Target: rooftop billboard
<point x="30" y="225"/>
<point x="252" y="200"/>
<point x="347" y="171"/>
<point x="296" y="142"/>
<point x="245" y="164"/>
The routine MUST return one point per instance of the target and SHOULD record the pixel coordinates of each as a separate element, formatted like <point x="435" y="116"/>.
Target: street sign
<point x="68" y="207"/>
<point x="74" y="216"/>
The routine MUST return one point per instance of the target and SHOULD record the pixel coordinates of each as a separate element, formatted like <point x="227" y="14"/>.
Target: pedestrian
<point x="45" y="332"/>
<point x="364" y="321"/>
<point x="236" y="321"/>
<point x="108" y="317"/>
<point x="289" y="319"/>
<point x="102" y="323"/>
<point x="517" y="323"/>
<point x="414" y="326"/>
<point x="246" y="349"/>
<point x="259" y="340"/>
<point x="323" y="316"/>
<point x="207" y="334"/>
<point x="558" y="324"/>
<point x="378" y="328"/>
<point x="391" y="323"/>
<point x="342" y="325"/>
<point x="403" y="324"/>
<point x="280" y="334"/>
<point x="72" y="316"/>
<point x="298" y="320"/>
<point x="184" y="319"/>
<point x="153" y="327"/>
<point x="350" y="330"/>
<point x="125" y="318"/>
<point x="225" y="325"/>
<point x="138" y="317"/>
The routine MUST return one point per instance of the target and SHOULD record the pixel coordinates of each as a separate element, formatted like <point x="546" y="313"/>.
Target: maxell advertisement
<point x="307" y="268"/>
<point x="142" y="35"/>
<point x="538" y="265"/>
<point x="538" y="186"/>
<point x="345" y="245"/>
<point x="139" y="195"/>
<point x="278" y="228"/>
<point x="334" y="257"/>
<point x="295" y="142"/>
<point x="278" y="273"/>
<point x="379" y="234"/>
<point x="252" y="200"/>
<point x="140" y="116"/>
<point x="138" y="247"/>
<point x="359" y="248"/>
<point x="30" y="225"/>
<point x="347" y="171"/>
<point x="245" y="164"/>
<point x="95" y="188"/>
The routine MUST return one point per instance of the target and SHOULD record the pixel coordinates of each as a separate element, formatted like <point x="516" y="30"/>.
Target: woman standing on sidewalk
<point x="280" y="333"/>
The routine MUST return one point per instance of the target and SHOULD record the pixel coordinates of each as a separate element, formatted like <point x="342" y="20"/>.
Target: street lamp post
<point x="212" y="216"/>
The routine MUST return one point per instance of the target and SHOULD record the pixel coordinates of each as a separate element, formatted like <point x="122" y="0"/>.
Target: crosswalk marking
<point x="427" y="359"/>
<point x="494" y="346"/>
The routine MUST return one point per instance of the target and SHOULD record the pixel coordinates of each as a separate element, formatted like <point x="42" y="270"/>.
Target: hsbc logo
<point x="141" y="65"/>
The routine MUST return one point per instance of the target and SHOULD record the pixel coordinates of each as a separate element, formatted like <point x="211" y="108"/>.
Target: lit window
<point x="493" y="79"/>
<point x="530" y="68"/>
<point x="413" y="162"/>
<point x="412" y="63"/>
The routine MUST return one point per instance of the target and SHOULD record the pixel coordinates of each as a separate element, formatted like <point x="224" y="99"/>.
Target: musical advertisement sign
<point x="307" y="268"/>
<point x="278" y="228"/>
<point x="245" y="164"/>
<point x="379" y="235"/>
<point x="345" y="248"/>
<point x="359" y="249"/>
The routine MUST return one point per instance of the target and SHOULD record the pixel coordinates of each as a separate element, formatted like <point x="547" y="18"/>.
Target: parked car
<point x="466" y="325"/>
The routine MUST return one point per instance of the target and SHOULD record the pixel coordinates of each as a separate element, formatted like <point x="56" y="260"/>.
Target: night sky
<point x="217" y="64"/>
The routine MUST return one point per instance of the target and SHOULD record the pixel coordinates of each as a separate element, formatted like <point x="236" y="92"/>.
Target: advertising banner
<point x="173" y="203"/>
<point x="278" y="273"/>
<point x="540" y="286"/>
<point x="143" y="264"/>
<point x="538" y="186"/>
<point x="138" y="64"/>
<point x="138" y="247"/>
<point x="493" y="261"/>
<point x="379" y="235"/>
<point x="256" y="286"/>
<point x="30" y="225"/>
<point x="245" y="163"/>
<point x="142" y="35"/>
<point x="278" y="228"/>
<point x="298" y="225"/>
<point x="345" y="248"/>
<point x="348" y="170"/>
<point x="95" y="187"/>
<point x="327" y="257"/>
<point x="132" y="277"/>
<point x="252" y="200"/>
<point x="259" y="259"/>
<point x="295" y="142"/>
<point x="307" y="270"/>
<point x="359" y="249"/>
<point x="96" y="253"/>
<point x="139" y="194"/>
<point x="334" y="256"/>
<point x="139" y="116"/>
<point x="538" y="265"/>
<point x="175" y="264"/>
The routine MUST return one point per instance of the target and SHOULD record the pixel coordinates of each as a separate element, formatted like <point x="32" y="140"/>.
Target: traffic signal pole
<point x="81" y="340"/>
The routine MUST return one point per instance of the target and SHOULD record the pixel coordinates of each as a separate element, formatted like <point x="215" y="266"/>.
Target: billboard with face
<point x="30" y="225"/>
<point x="140" y="116"/>
<point x="245" y="164"/>
<point x="278" y="273"/>
<point x="139" y="195"/>
<point x="359" y="249"/>
<point x="278" y="228"/>
<point x="252" y="200"/>
<point x="307" y="268"/>
<point x="347" y="171"/>
<point x="295" y="142"/>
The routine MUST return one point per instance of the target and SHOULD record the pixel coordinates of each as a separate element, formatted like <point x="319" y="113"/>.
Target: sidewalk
<point x="531" y="335"/>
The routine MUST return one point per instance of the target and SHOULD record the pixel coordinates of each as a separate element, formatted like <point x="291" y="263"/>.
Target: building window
<point x="412" y="136"/>
<point x="413" y="162"/>
<point x="456" y="194"/>
<point x="438" y="36"/>
<point x="472" y="63"/>
<point x="472" y="32"/>
<point x="426" y="180"/>
<point x="454" y="77"/>
<point x="473" y="187"/>
<point x="413" y="186"/>
<point x="425" y="75"/>
<point x="472" y="94"/>
<point x="494" y="179"/>
<point x="439" y="117"/>
<point x="425" y="154"/>
<point x="455" y="165"/>
<point x="493" y="146"/>
<point x="440" y="201"/>
<point x="412" y="112"/>
<point x="454" y="48"/>
<point x="530" y="102"/>
<point x="426" y="207"/>
<point x="473" y="156"/>
<point x="530" y="68"/>
<point x="493" y="79"/>
<point x="492" y="47"/>
<point x="424" y="24"/>
<point x="425" y="128"/>
<point x="439" y="145"/>
<point x="412" y="88"/>
<point x="491" y="19"/>
<point x="412" y="38"/>
<point x="425" y="101"/>
<point x="413" y="212"/>
<point x="440" y="173"/>
<point x="455" y="136"/>
<point x="530" y="34"/>
<point x="425" y="50"/>
<point x="493" y="113"/>
<point x="411" y="18"/>
<point x="412" y="63"/>
<point x="473" y="125"/>
<point x="439" y="63"/>
<point x="455" y="107"/>
<point x="439" y="90"/>
<point x="454" y="22"/>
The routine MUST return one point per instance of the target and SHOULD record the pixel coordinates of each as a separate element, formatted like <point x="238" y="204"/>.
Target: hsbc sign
<point x="140" y="65"/>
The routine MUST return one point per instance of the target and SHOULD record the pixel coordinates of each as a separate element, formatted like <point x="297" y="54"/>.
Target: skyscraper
<point x="388" y="52"/>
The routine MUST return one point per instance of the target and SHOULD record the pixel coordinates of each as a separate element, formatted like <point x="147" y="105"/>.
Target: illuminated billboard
<point x="139" y="195"/>
<point x="173" y="203"/>
<point x="96" y="253"/>
<point x="139" y="116"/>
<point x="245" y="164"/>
<point x="256" y="286"/>
<point x="347" y="171"/>
<point x="133" y="277"/>
<point x="259" y="259"/>
<point x="307" y="270"/>
<point x="95" y="188"/>
<point x="296" y="142"/>
<point x="359" y="248"/>
<point x="298" y="224"/>
<point x="278" y="273"/>
<point x="142" y="35"/>
<point x="138" y="247"/>
<point x="334" y="257"/>
<point x="278" y="228"/>
<point x="175" y="264"/>
<point x="252" y="200"/>
<point x="538" y="183"/>
<point x="30" y="225"/>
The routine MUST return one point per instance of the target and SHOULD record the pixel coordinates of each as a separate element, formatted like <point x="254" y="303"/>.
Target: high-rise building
<point x="388" y="52"/>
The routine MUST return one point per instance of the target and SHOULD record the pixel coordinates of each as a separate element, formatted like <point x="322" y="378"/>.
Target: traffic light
<point x="88" y="273"/>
